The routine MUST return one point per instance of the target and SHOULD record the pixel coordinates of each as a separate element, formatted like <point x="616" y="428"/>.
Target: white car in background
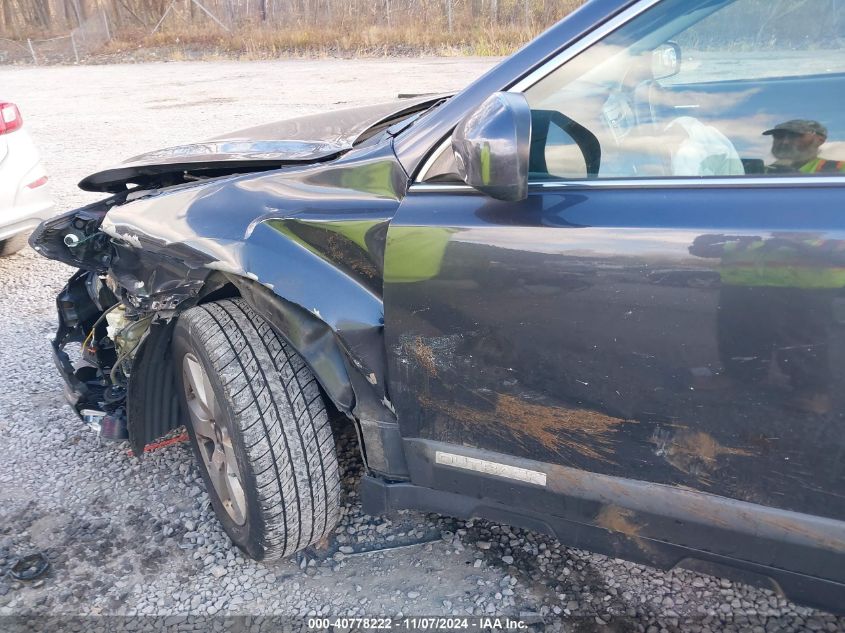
<point x="24" y="201"/>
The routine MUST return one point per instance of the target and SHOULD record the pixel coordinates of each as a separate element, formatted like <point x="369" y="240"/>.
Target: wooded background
<point x="50" y="31"/>
<point x="42" y="31"/>
<point x="21" y="18"/>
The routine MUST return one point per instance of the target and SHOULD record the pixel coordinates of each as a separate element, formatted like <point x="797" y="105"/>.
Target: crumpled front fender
<point x="304" y="247"/>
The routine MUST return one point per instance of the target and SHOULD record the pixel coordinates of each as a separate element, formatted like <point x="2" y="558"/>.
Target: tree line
<point x="25" y="18"/>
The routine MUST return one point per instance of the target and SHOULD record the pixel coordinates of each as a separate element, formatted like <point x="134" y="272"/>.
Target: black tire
<point x="12" y="245"/>
<point x="280" y="433"/>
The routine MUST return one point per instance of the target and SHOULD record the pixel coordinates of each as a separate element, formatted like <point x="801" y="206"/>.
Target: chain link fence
<point x="92" y="34"/>
<point x="135" y="20"/>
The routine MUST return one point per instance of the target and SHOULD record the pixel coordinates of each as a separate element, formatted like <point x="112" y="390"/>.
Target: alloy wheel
<point x="214" y="437"/>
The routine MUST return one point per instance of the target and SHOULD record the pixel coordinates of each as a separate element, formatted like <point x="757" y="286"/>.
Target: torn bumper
<point x="87" y="389"/>
<point x="77" y="314"/>
<point x="75" y="390"/>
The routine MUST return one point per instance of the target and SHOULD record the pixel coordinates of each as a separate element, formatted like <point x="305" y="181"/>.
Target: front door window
<point x="699" y="89"/>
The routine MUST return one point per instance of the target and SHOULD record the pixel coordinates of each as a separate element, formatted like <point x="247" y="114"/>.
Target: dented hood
<point x="295" y="141"/>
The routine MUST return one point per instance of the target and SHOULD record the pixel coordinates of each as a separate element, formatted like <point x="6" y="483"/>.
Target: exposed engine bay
<point x="106" y="316"/>
<point x="99" y="315"/>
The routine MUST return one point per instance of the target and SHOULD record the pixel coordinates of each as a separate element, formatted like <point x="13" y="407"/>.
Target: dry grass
<point x="255" y="42"/>
<point x="306" y="28"/>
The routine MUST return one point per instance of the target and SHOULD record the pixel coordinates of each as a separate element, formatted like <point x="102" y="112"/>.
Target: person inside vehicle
<point x="795" y="146"/>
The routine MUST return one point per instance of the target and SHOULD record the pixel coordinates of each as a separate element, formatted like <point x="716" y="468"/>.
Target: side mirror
<point x="492" y="145"/>
<point x="666" y="60"/>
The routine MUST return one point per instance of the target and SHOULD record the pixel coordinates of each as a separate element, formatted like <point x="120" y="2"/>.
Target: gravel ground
<point x="139" y="538"/>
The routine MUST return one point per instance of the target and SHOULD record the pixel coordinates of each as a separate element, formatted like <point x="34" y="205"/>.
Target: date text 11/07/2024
<point x="419" y="623"/>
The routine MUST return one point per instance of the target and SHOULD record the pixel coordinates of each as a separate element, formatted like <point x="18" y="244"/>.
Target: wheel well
<point x="308" y="335"/>
<point x="316" y="343"/>
<point x="216" y="290"/>
<point x="152" y="402"/>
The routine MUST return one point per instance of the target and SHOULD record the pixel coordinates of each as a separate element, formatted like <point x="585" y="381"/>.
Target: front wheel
<point x="259" y="429"/>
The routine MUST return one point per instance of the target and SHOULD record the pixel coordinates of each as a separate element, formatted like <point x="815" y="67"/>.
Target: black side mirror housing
<point x="492" y="145"/>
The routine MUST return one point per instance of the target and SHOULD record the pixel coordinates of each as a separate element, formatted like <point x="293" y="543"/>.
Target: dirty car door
<point x="651" y="347"/>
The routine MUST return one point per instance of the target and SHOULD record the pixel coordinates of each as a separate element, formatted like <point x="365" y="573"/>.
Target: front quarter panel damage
<point x="308" y="239"/>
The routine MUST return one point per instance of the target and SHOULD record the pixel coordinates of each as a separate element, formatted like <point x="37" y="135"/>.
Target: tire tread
<point x="279" y="412"/>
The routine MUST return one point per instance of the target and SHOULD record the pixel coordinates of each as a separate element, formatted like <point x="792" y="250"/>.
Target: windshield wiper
<point x="404" y="124"/>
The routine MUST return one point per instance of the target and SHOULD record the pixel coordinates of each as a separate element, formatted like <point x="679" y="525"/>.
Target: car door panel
<point x="605" y="329"/>
<point x="661" y="525"/>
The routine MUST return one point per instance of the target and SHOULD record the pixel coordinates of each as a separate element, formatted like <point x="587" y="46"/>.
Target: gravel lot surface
<point x="126" y="537"/>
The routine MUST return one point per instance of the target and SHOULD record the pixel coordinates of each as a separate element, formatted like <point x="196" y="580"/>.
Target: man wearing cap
<point x="795" y="146"/>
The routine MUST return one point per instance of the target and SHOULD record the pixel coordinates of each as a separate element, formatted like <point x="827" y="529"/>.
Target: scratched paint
<point x="693" y="452"/>
<point x="622" y="520"/>
<point x="424" y="355"/>
<point x="617" y="519"/>
<point x="560" y="429"/>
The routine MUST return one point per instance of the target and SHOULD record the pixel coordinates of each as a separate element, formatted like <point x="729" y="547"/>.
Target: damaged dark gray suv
<point x="600" y="293"/>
